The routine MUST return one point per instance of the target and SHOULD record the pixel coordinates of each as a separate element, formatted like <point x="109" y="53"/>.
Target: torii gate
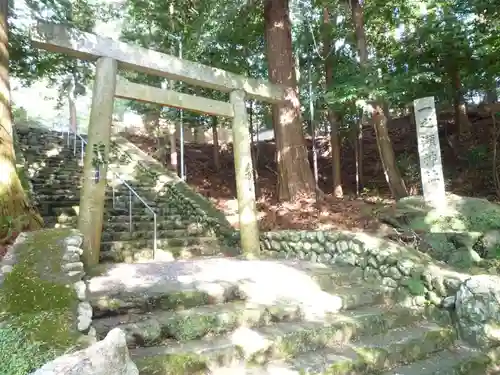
<point x="110" y="55"/>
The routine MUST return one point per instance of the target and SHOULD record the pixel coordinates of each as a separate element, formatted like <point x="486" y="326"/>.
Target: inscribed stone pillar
<point x="92" y="198"/>
<point x="249" y="229"/>
<point x="429" y="152"/>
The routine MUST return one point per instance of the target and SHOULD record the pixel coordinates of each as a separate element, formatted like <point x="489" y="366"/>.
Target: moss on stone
<point x="415" y="286"/>
<point x="456" y="228"/>
<point x="475" y="366"/>
<point x="188" y="325"/>
<point x="187" y="364"/>
<point x="344" y="367"/>
<point x="35" y="304"/>
<point x="184" y="300"/>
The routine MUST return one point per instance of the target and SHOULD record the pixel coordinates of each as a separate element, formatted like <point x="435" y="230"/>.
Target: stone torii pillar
<point x="93" y="193"/>
<point x="245" y="188"/>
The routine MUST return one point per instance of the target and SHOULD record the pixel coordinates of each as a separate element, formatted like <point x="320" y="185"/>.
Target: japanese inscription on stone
<point x="431" y="168"/>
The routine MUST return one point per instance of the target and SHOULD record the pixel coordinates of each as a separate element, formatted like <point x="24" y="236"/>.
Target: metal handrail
<point x="130" y="190"/>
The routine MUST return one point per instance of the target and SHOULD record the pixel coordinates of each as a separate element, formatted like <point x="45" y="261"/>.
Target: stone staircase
<point x="230" y="316"/>
<point x="55" y="173"/>
<point x="215" y="316"/>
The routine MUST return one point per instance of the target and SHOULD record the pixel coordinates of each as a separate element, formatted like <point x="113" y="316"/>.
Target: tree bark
<point x="391" y="171"/>
<point x="379" y="119"/>
<point x="491" y="93"/>
<point x="332" y="116"/>
<point x="295" y="177"/>
<point x="152" y="123"/>
<point x="15" y="209"/>
<point x="71" y="92"/>
<point x="216" y="148"/>
<point x="462" y="122"/>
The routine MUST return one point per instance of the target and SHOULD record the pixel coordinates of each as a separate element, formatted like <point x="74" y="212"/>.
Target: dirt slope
<point x="466" y="165"/>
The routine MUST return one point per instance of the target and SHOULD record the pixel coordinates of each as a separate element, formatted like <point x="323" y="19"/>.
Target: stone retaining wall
<point x="43" y="271"/>
<point x="415" y="278"/>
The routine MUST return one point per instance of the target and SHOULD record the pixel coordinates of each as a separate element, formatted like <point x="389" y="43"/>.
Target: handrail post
<point x="154" y="236"/>
<point x="82" y="150"/>
<point x="130" y="210"/>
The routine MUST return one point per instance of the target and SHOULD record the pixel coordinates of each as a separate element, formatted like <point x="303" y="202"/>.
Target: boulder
<point x="477" y="306"/>
<point x="462" y="233"/>
<point x="107" y="357"/>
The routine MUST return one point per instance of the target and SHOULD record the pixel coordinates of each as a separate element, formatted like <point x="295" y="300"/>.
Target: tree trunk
<point x="216" y="149"/>
<point x="491" y="93"/>
<point x="332" y="116"/>
<point x="379" y="119"/>
<point x="15" y="209"/>
<point x="294" y="171"/>
<point x="462" y="122"/>
<point x="152" y="123"/>
<point x="197" y="135"/>
<point x="391" y="171"/>
<point x="73" y="121"/>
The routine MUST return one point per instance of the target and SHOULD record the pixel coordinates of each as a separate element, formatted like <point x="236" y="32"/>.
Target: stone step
<point x="46" y="193"/>
<point x="142" y="250"/>
<point x="308" y="354"/>
<point x="73" y="185"/>
<point x="71" y="208"/>
<point x="342" y="276"/>
<point x="281" y="319"/>
<point x="195" y="323"/>
<point x="173" y="253"/>
<point x="167" y="238"/>
<point x="121" y="196"/>
<point x="47" y="146"/>
<point x="44" y="173"/>
<point x="145" y="239"/>
<point x="55" y="183"/>
<point x="139" y="222"/>
<point x="53" y="164"/>
<point x="459" y="360"/>
<point x="169" y="229"/>
<point x="256" y="281"/>
<point x="119" y="201"/>
<point x="110" y="294"/>
<point x="53" y="154"/>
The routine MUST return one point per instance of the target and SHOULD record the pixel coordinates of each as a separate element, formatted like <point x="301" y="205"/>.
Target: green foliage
<point x="29" y="64"/>
<point x="477" y="156"/>
<point x="409" y="166"/>
<point x="10" y="227"/>
<point x="415" y="286"/>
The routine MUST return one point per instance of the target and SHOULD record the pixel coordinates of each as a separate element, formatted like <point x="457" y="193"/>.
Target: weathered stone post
<point x="92" y="197"/>
<point x="249" y="229"/>
<point x="429" y="151"/>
